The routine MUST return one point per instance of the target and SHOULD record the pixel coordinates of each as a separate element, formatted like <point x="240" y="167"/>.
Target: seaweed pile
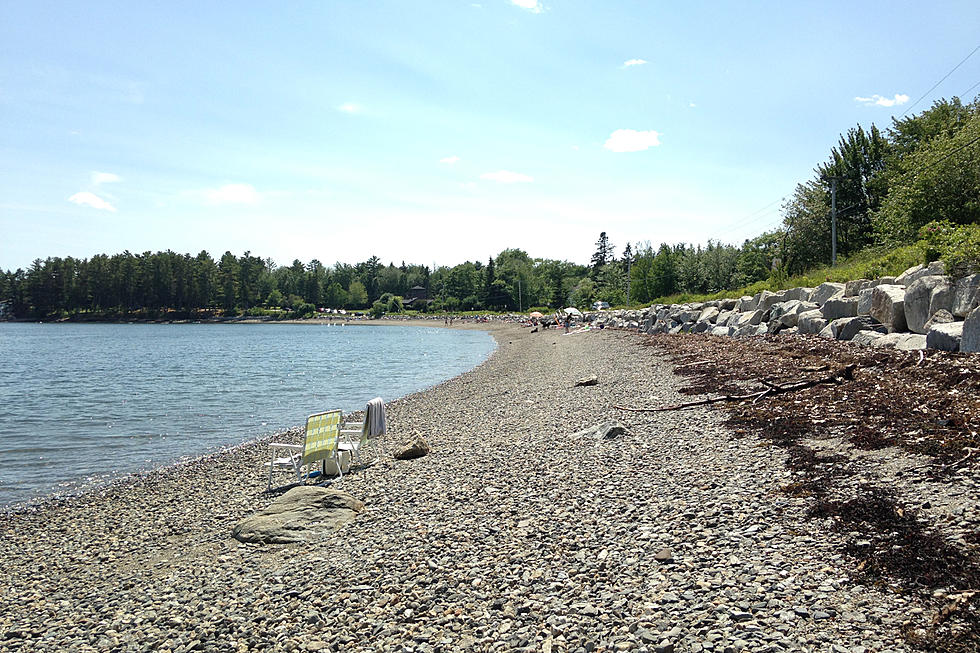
<point x="922" y="407"/>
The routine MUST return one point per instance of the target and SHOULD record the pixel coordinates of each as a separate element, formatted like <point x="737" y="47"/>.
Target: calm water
<point x="82" y="402"/>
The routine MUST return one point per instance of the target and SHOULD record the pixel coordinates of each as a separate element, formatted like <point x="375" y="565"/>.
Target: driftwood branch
<point x="680" y="367"/>
<point x="843" y="374"/>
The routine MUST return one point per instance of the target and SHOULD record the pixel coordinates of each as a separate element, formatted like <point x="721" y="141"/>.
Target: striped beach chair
<point x="321" y="443"/>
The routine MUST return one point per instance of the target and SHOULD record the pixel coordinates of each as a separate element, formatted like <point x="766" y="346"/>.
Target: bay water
<point x="81" y="403"/>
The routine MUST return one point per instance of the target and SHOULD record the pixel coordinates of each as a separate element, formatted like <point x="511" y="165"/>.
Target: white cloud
<point x="877" y="100"/>
<point x="105" y="178"/>
<point x="450" y="160"/>
<point x="630" y="140"/>
<point x="634" y="62"/>
<point x="531" y="5"/>
<point x="86" y="198"/>
<point x="349" y="107"/>
<point x="232" y="194"/>
<point x="691" y="105"/>
<point x="507" y="177"/>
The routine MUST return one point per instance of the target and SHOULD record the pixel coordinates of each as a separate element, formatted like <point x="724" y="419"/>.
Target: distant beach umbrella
<point x="535" y="314"/>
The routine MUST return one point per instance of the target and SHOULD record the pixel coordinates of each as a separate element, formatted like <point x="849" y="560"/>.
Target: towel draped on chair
<point x="375" y="421"/>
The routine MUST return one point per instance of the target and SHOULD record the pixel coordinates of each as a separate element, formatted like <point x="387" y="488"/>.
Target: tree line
<point x="922" y="170"/>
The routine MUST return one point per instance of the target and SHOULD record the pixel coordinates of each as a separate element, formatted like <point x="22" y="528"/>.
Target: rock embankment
<point x="674" y="533"/>
<point x="922" y="308"/>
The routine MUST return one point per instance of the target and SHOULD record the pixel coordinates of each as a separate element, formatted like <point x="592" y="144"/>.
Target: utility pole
<point x="833" y="220"/>
<point x="520" y="299"/>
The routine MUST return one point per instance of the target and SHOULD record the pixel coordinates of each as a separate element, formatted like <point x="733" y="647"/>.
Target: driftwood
<point x="843" y="374"/>
<point x="680" y="367"/>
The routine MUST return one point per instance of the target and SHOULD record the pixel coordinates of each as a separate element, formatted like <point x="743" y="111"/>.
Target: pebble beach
<point x="513" y="534"/>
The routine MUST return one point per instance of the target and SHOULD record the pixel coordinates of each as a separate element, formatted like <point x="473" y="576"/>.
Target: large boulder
<point x="966" y="295"/>
<point x="415" y="447"/>
<point x="608" y="430"/>
<point x="864" y="301"/>
<point x="302" y="514"/>
<point x="746" y="303"/>
<point x="748" y="318"/>
<point x="910" y="275"/>
<point x="939" y="317"/>
<point x="811" y="321"/>
<point x="914" y="273"/>
<point x="709" y="314"/>
<point x="826" y="291"/>
<point x="852" y="288"/>
<point x="787" y="313"/>
<point x="866" y="337"/>
<point x="903" y="341"/>
<point x="721" y="331"/>
<point x="945" y="337"/>
<point x="848" y="327"/>
<point x="838" y="307"/>
<point x="923" y="298"/>
<point x="971" y="332"/>
<point x="888" y="307"/>
<point x="799" y="294"/>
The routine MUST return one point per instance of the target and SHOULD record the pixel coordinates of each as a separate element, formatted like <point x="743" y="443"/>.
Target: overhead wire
<point x="914" y="104"/>
<point x="755" y="217"/>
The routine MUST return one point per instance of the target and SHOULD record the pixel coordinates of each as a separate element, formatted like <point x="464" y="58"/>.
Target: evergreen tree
<point x="603" y="254"/>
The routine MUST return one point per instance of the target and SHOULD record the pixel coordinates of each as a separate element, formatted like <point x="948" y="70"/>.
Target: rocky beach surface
<point x="525" y="529"/>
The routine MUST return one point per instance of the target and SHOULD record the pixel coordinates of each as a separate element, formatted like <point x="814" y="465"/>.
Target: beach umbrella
<point x="535" y="314"/>
<point x="571" y="310"/>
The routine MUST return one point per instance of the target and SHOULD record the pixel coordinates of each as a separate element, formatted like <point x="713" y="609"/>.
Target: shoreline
<point x="516" y="532"/>
<point x="103" y="482"/>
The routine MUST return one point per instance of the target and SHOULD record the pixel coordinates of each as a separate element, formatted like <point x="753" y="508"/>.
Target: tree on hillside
<point x="941" y="182"/>
<point x="856" y="163"/>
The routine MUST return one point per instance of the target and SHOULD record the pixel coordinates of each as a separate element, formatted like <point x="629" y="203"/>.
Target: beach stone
<point x="587" y="380"/>
<point x="971" y="332"/>
<point x="416" y="447"/>
<point x="966" y="295"/>
<point x="607" y="430"/>
<point x="888" y="307"/>
<point x="664" y="555"/>
<point x="721" y="331"/>
<point x="925" y="296"/>
<point x="302" y="514"/>
<point x="826" y="291"/>
<point x="945" y="337"/>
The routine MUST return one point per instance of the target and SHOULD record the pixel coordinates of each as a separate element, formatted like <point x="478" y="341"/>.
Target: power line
<point x="941" y="81"/>
<point x="969" y="89"/>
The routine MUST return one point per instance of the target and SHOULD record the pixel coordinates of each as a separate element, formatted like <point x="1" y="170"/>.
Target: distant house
<point x="5" y="310"/>
<point x="416" y="298"/>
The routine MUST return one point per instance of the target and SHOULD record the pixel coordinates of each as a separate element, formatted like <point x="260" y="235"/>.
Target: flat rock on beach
<point x="508" y="536"/>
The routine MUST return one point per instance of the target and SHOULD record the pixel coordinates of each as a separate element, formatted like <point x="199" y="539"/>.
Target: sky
<point x="440" y="131"/>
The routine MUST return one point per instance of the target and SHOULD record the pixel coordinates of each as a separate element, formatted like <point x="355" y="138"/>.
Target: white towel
<point x="375" y="421"/>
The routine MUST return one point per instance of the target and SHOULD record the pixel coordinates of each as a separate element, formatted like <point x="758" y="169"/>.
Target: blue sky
<point x="439" y="131"/>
